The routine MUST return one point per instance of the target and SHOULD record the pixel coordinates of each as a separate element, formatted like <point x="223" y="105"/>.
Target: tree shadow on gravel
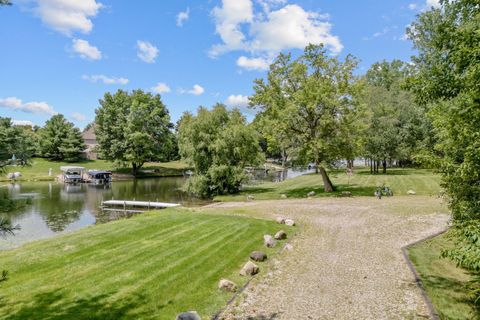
<point x="272" y="316"/>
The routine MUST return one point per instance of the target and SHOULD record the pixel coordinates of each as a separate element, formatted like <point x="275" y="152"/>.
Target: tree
<point x="5" y="3"/>
<point x="59" y="139"/>
<point x="134" y="128"/>
<point x="218" y="144"/>
<point x="314" y="99"/>
<point x="15" y="140"/>
<point x="447" y="40"/>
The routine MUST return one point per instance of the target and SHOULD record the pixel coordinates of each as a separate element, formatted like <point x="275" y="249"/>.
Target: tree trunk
<point x="327" y="183"/>
<point x="384" y="164"/>
<point x="371" y="165"/>
<point x="136" y="168"/>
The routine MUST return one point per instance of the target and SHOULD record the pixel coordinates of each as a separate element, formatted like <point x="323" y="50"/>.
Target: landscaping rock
<point x="250" y="197"/>
<point x="283" y="196"/>
<point x="258" y="256"/>
<point x="288" y="247"/>
<point x="269" y="241"/>
<point x="411" y="192"/>
<point x="289" y="222"/>
<point x="311" y="194"/>
<point x="346" y="194"/>
<point x="227" y="285"/>
<point x="280" y="235"/>
<point x="190" y="315"/>
<point x="249" y="269"/>
<point x="280" y="220"/>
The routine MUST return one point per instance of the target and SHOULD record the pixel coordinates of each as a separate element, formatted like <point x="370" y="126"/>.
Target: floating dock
<point x="124" y="204"/>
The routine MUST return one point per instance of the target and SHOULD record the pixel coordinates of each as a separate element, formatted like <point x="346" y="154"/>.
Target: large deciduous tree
<point x="313" y="99"/>
<point x="218" y="144"/>
<point x="59" y="139"/>
<point x="134" y="128"/>
<point x="448" y="65"/>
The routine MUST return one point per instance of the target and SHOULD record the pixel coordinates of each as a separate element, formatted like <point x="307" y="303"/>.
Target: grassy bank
<point x="151" y="266"/>
<point x="361" y="183"/>
<point x="38" y="169"/>
<point x="445" y="284"/>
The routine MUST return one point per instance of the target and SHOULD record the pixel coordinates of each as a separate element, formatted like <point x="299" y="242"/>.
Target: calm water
<point x="59" y="208"/>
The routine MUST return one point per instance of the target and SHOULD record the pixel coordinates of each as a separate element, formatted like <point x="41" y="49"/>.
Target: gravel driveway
<point x="346" y="262"/>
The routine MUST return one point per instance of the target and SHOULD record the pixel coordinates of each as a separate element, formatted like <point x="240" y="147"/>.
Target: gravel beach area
<point x="346" y="261"/>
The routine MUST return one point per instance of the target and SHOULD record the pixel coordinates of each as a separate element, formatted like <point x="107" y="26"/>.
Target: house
<point x="90" y="140"/>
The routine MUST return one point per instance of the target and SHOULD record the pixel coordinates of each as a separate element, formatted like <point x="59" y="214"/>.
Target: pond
<point x="58" y="208"/>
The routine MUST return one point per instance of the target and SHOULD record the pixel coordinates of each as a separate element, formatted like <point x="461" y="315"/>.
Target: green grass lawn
<point x="152" y="266"/>
<point x="445" y="284"/>
<point x="38" y="169"/>
<point x="362" y="183"/>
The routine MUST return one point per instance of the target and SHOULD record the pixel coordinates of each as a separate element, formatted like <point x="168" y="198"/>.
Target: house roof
<point x="89" y="134"/>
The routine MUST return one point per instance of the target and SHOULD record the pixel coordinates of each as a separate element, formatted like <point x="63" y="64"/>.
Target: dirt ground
<point x="346" y="261"/>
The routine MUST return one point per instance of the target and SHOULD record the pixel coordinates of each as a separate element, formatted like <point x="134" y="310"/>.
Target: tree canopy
<point x="218" y="144"/>
<point x="134" y="128"/>
<point x="314" y="99"/>
<point x="447" y="82"/>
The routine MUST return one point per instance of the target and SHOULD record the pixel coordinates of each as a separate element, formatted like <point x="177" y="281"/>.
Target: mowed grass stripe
<point x="155" y="279"/>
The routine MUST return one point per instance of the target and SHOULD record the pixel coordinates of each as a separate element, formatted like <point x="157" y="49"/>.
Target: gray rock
<point x="289" y="222"/>
<point x="249" y="269"/>
<point x="411" y="192"/>
<point x="250" y="197"/>
<point x="283" y="196"/>
<point x="280" y="235"/>
<point x="269" y="241"/>
<point x="190" y="315"/>
<point x="227" y="285"/>
<point x="311" y="194"/>
<point x="346" y="194"/>
<point x="288" y="247"/>
<point x="280" y="220"/>
<point x="258" y="256"/>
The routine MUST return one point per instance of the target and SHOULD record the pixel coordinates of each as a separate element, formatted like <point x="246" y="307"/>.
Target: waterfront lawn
<point x="361" y="183"/>
<point x="38" y="169"/>
<point x="152" y="266"/>
<point x="445" y="284"/>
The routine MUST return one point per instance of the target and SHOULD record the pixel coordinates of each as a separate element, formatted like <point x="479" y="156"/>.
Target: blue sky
<point x="61" y="56"/>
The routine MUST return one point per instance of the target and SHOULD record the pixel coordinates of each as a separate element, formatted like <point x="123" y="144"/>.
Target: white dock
<point x="139" y="204"/>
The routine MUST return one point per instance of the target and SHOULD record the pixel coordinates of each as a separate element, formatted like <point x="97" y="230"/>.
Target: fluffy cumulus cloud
<point x="237" y="101"/>
<point x="68" y="16"/>
<point x="161" y="88"/>
<point x="182" y="17"/>
<point x="85" y="50"/>
<point x="78" y="116"/>
<point x="196" y="90"/>
<point x="14" y="103"/>
<point x="105" y="79"/>
<point x="147" y="52"/>
<point x="433" y="3"/>
<point x="253" y="63"/>
<point x="264" y="34"/>
<point x="22" y="123"/>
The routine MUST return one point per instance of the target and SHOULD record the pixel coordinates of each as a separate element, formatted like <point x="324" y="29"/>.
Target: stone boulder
<point x="311" y="194"/>
<point x="346" y="194"/>
<point x="288" y="247"/>
<point x="250" y="197"/>
<point x="283" y="196"/>
<point x="269" y="241"/>
<point x="280" y="220"/>
<point x="249" y="269"/>
<point x="411" y="192"/>
<point x="280" y="235"/>
<point x="258" y="256"/>
<point x="227" y="285"/>
<point x="190" y="315"/>
<point x="289" y="222"/>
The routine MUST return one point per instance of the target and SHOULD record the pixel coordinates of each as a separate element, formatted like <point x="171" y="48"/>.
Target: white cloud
<point x="433" y="3"/>
<point x="85" y="50"/>
<point x="267" y="33"/>
<point x="182" y="17"/>
<point x="147" y="52"/>
<point x="253" y="63"/>
<point x="29" y="107"/>
<point x="67" y="16"/>
<point x="22" y="123"/>
<point x="412" y="6"/>
<point x="237" y="101"/>
<point x="161" y="88"/>
<point x="378" y="34"/>
<point x="105" y="79"/>
<point x="78" y="116"/>
<point x="196" y="90"/>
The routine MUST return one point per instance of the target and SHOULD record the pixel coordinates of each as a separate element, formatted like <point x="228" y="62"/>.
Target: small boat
<point x="99" y="177"/>
<point x="72" y="174"/>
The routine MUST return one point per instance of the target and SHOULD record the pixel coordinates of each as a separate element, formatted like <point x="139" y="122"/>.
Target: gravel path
<point x="346" y="262"/>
